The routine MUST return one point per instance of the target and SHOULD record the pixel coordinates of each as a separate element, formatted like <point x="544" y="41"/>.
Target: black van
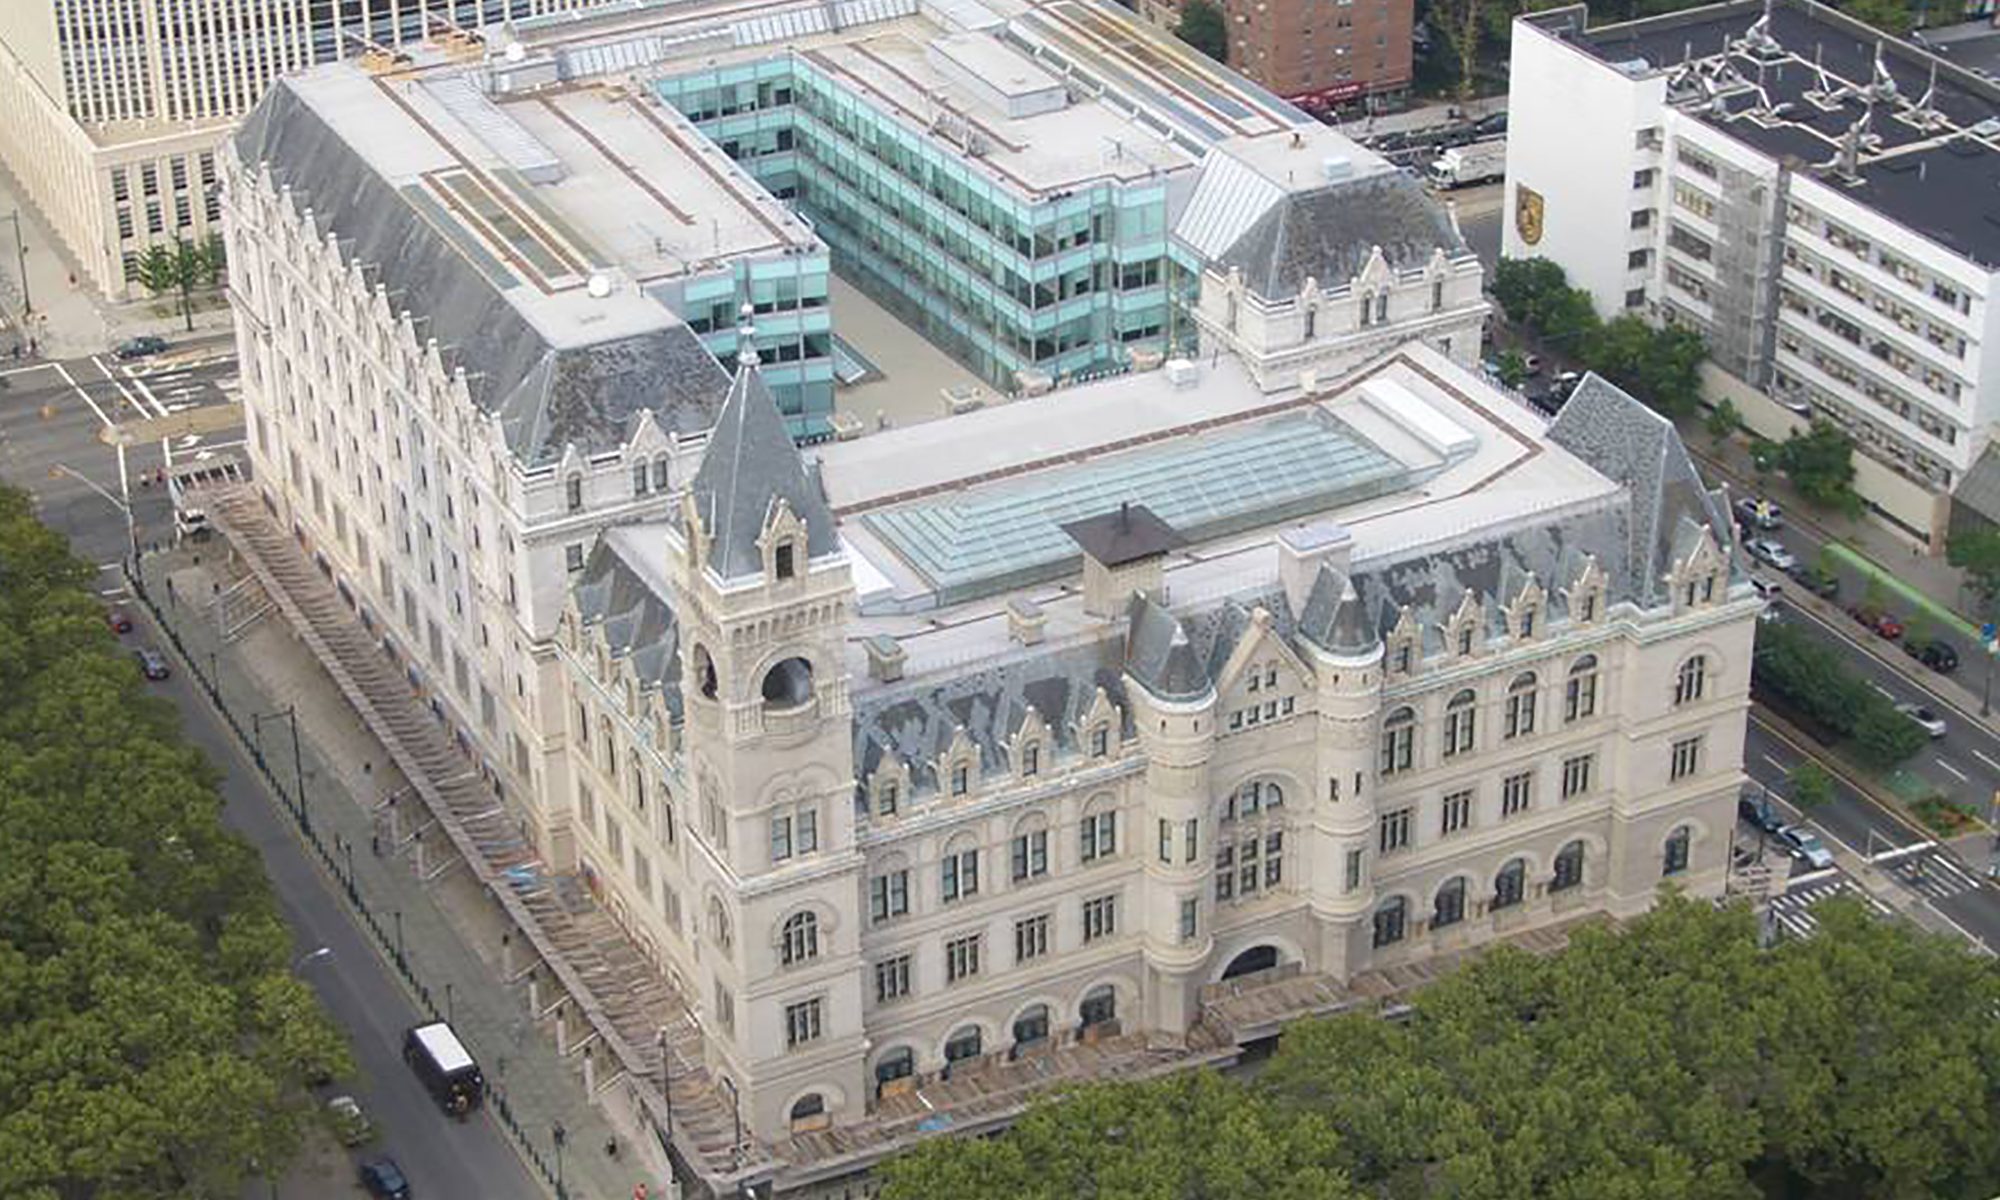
<point x="444" y="1067"/>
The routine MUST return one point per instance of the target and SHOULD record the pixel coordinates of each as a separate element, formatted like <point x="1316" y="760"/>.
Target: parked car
<point x="384" y="1179"/>
<point x="1882" y="624"/>
<point x="1754" y="806"/>
<point x="350" y="1124"/>
<point x="1565" y="382"/>
<point x="119" y="620"/>
<point x="1771" y="553"/>
<point x="1755" y="512"/>
<point x="1490" y="125"/>
<point x="1804" y="843"/>
<point x="1824" y="584"/>
<point x="152" y="664"/>
<point x="1767" y="589"/>
<point x="141" y="347"/>
<point x="1923" y="718"/>
<point x="1936" y="653"/>
<point x="1533" y="363"/>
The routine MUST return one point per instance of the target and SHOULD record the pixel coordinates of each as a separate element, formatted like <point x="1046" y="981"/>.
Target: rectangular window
<point x="960" y="875"/>
<point x="1456" y="813"/>
<point x="1031" y="855"/>
<point x="889" y="896"/>
<point x="1576" y="775"/>
<point x="805" y="829"/>
<point x="781" y="838"/>
<point x="1166" y="840"/>
<point x="961" y="958"/>
<point x="1031" y="760"/>
<point x="1686" y="758"/>
<point x="1031" y="938"/>
<point x="892" y="979"/>
<point x="572" y="557"/>
<point x="1100" y="742"/>
<point x="1394" y="833"/>
<point x="1099" y="836"/>
<point x="1190" y="839"/>
<point x="1100" y="918"/>
<point x="1580" y="699"/>
<point x="725" y="1008"/>
<point x="1398" y="747"/>
<point x="802" y="1023"/>
<point x="1190" y="917"/>
<point x="885" y="799"/>
<point x="1516" y="793"/>
<point x="1351" y="878"/>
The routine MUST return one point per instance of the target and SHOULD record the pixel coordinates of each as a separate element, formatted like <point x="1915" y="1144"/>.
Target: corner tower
<point x="1346" y="653"/>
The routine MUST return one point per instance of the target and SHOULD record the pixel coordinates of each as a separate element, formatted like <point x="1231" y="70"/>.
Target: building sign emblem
<point x="1528" y="214"/>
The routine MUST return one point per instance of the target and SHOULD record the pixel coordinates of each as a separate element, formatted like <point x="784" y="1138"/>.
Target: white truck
<point x="1464" y="166"/>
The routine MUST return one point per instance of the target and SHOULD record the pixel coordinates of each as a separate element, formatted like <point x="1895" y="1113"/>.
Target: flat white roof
<point x="443" y="1046"/>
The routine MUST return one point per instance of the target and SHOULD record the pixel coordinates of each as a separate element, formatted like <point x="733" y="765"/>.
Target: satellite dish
<point x="599" y="285"/>
<point x="516" y="52"/>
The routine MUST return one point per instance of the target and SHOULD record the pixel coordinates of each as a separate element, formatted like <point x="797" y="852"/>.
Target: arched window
<point x="1580" y="695"/>
<point x="1521" y="698"/>
<point x="1250" y="845"/>
<point x="1674" y="855"/>
<point x="1449" y="908"/>
<point x="1100" y="1005"/>
<point x="900" y="1063"/>
<point x="1032" y="1025"/>
<point x="1460" y="723"/>
<point x="964" y="1043"/>
<point x="800" y="940"/>
<point x="704" y="671"/>
<point x="718" y="924"/>
<point x="788" y="684"/>
<point x="1253" y="798"/>
<point x="958" y="877"/>
<point x="1399" y="735"/>
<point x="1569" y="868"/>
<point x="1391" y="919"/>
<point x="809" y="1106"/>
<point x="1097" y="833"/>
<point x="1691" y="680"/>
<point x="1511" y="884"/>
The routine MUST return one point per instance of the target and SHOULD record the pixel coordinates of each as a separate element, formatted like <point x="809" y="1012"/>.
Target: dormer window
<point x="1587" y="612"/>
<point x="887" y="794"/>
<point x="1465" y="641"/>
<point x="782" y="562"/>
<point x="1100" y="742"/>
<point x="1403" y="655"/>
<point x="1311" y="323"/>
<point x="1437" y="295"/>
<point x="1528" y="624"/>
<point x="1381" y="308"/>
<point x="960" y="779"/>
<point x="573" y="493"/>
<point x="1031" y="761"/>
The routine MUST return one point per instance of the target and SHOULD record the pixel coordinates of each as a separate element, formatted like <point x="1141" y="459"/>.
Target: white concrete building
<point x="116" y="109"/>
<point x="1815" y="199"/>
<point x="1139" y="716"/>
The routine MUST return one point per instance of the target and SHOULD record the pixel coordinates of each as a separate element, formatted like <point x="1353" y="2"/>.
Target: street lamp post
<point x="666" y="1079"/>
<point x="123" y="506"/>
<point x="559" y="1135"/>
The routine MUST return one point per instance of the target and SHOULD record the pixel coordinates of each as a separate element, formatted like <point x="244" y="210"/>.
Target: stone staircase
<point x="622" y="999"/>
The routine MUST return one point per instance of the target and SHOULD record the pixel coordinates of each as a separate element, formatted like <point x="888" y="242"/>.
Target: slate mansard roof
<point x="548" y="392"/>
<point x="1634" y="538"/>
<point x="638" y="622"/>
<point x="1328" y="233"/>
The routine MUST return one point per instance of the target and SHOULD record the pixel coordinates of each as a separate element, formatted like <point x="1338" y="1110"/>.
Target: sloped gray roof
<point x="1126" y="534"/>
<point x="1637" y="447"/>
<point x="1158" y="654"/>
<point x="750" y="464"/>
<point x="638" y="623"/>
<point x="1328" y="233"/>
<point x="547" y="395"/>
<point x="1334" y="617"/>
<point x="1979" y="490"/>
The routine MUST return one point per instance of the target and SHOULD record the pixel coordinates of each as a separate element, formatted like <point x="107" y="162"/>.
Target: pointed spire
<point x="1335" y="619"/>
<point x="749" y="465"/>
<point x="746" y="337"/>
<point x="1158" y="654"/>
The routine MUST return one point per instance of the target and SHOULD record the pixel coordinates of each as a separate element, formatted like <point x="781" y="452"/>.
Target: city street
<point x="53" y="421"/>
<point x="440" y="1156"/>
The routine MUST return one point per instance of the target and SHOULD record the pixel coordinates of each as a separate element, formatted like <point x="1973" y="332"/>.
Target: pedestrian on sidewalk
<point x="611" y="1147"/>
<point x="375" y="844"/>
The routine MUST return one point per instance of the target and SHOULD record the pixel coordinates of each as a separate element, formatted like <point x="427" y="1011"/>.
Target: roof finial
<point x="746" y="336"/>
<point x="1124" y="515"/>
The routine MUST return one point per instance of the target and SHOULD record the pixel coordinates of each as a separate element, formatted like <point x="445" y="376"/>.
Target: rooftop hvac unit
<point x="1182" y="373"/>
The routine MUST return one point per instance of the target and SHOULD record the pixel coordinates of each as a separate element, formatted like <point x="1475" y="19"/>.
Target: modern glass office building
<point x="1006" y="282"/>
<point x="787" y="296"/>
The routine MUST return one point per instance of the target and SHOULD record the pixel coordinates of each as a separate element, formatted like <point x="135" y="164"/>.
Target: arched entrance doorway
<point x="1256" y="958"/>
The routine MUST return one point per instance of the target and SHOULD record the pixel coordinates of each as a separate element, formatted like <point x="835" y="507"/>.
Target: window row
<point x="966" y="956"/>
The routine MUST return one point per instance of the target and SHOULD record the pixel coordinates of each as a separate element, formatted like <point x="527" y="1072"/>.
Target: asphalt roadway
<point x="440" y="1157"/>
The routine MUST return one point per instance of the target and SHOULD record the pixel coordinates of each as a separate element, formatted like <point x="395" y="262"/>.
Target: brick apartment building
<point x="1315" y="53"/>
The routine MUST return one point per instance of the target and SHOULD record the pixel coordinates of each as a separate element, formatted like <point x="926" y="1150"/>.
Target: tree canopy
<point x="1811" y="681"/>
<point x="1976" y="551"/>
<point x="152" y="1036"/>
<point x="1662" y="367"/>
<point x="1673" y="1059"/>
<point x="1203" y="26"/>
<point x="1820" y="464"/>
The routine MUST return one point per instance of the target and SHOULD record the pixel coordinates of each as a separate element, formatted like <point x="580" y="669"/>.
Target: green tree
<point x="153" y="1037"/>
<point x="1884" y="737"/>
<point x="180" y="268"/>
<point x="1523" y="286"/>
<point x="1723" y="421"/>
<point x="1820" y="464"/>
<point x="1513" y="368"/>
<point x="1204" y="26"/>
<point x="1977" y="552"/>
<point x="1810" y="785"/>
<point x="1892" y="17"/>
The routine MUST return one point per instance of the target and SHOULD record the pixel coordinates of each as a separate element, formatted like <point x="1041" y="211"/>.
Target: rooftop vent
<point x="1182" y="373"/>
<point x="1338" y="167"/>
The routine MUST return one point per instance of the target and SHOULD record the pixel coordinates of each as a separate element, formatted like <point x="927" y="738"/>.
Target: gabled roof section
<point x="751" y="464"/>
<point x="1640" y="449"/>
<point x="549" y="393"/>
<point x="1158" y="654"/>
<point x="638" y="623"/>
<point x="1327" y="234"/>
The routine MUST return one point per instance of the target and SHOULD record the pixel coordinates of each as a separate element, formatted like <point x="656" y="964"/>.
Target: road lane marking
<point x="1885" y="691"/>
<point x="1840" y="773"/>
<point x="118" y="383"/>
<point x="47" y="366"/>
<point x="78" y="389"/>
<point x="1774" y="762"/>
<point x="1989" y="762"/>
<point x="1961" y="776"/>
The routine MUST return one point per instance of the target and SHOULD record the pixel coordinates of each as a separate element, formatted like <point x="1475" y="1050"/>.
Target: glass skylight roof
<point x="995" y="538"/>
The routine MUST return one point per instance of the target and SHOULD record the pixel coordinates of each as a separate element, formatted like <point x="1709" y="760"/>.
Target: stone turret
<point x="1346" y="653"/>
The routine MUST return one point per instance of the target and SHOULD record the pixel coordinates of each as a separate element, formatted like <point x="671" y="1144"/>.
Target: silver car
<point x="1804" y="843"/>
<point x="1771" y="552"/>
<point x="1923" y="718"/>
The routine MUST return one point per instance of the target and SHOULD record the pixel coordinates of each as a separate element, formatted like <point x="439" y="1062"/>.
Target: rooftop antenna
<point x="1883" y="85"/>
<point x="1757" y="41"/>
<point x="746" y="337"/>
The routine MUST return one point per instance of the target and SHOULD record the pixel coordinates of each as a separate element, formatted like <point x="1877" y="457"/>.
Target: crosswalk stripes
<point x="1793" y="910"/>
<point x="1936" y="874"/>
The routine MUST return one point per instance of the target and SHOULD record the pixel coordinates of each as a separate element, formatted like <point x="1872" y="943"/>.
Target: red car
<point x="119" y="620"/>
<point x="1881" y="623"/>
